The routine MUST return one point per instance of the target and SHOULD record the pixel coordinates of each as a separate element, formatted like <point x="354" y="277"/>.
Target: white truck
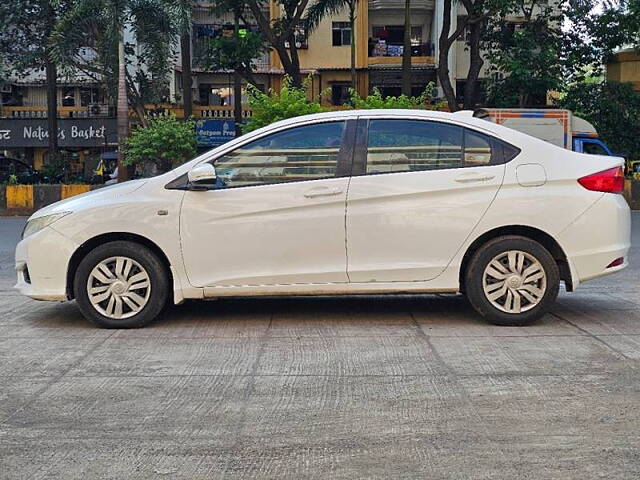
<point x="556" y="126"/>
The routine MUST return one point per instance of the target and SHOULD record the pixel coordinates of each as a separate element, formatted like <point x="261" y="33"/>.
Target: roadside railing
<point x="96" y="111"/>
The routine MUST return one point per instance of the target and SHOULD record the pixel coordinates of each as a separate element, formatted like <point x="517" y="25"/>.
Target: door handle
<point x="323" y="192"/>
<point x="474" y="177"/>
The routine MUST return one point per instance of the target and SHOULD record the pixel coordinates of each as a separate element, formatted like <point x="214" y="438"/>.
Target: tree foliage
<point x="614" y="110"/>
<point x="271" y="107"/>
<point x="166" y="142"/>
<point x="280" y="32"/>
<point x="87" y="40"/>
<point x="25" y="28"/>
<point x="229" y="53"/>
<point x="377" y="101"/>
<point x="554" y="45"/>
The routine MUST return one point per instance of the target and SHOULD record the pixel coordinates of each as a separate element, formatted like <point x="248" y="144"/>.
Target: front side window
<point x="417" y="145"/>
<point x="298" y="154"/>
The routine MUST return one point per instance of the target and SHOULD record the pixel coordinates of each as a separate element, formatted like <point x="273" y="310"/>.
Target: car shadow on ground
<point x="348" y="312"/>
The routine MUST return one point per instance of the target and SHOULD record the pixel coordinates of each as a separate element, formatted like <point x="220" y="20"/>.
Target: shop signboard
<point x="72" y="132"/>
<point x="211" y="133"/>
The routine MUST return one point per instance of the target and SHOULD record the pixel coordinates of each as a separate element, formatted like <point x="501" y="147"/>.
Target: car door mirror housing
<point x="202" y="176"/>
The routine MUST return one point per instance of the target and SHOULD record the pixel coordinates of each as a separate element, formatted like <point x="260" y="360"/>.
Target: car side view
<point x="352" y="202"/>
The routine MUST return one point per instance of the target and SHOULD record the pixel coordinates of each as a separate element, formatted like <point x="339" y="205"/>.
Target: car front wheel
<point x="512" y="280"/>
<point x="121" y="285"/>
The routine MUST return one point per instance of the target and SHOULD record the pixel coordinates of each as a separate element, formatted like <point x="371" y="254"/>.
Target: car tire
<point x="512" y="280"/>
<point x="121" y="284"/>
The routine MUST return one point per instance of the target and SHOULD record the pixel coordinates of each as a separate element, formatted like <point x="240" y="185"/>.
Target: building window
<point x="341" y="33"/>
<point x="340" y="93"/>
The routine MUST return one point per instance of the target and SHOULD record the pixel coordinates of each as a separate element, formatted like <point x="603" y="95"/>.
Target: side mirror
<point x="202" y="176"/>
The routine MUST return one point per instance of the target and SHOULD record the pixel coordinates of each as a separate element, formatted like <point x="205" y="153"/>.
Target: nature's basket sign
<point x="72" y="132"/>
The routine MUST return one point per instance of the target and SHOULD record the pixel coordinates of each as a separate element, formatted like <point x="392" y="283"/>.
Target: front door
<point x="418" y="190"/>
<point x="277" y="215"/>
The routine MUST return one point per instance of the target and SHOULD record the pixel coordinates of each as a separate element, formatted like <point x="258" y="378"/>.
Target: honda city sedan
<point x="352" y="202"/>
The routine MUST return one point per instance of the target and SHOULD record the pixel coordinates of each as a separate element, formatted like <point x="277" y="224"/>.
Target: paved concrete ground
<point x="376" y="387"/>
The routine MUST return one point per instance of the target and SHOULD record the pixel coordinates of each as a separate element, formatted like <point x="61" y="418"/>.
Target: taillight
<point x="610" y="181"/>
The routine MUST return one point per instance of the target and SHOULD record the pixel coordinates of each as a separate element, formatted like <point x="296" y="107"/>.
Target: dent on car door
<point x="418" y="190"/>
<point x="277" y="215"/>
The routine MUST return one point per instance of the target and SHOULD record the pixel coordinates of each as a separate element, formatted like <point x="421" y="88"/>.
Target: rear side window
<point x="418" y="145"/>
<point x="410" y="145"/>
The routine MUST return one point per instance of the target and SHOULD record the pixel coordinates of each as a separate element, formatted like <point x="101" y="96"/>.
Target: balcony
<point x="383" y="54"/>
<point x="399" y="4"/>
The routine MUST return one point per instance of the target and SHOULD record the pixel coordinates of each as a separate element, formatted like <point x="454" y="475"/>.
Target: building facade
<point x="325" y="53"/>
<point x="624" y="66"/>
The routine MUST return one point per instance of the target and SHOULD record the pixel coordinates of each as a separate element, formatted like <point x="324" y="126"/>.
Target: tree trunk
<point x="444" y="45"/>
<point x="52" y="109"/>
<point x="185" y="53"/>
<point x="237" y="83"/>
<point x="475" y="65"/>
<point x="295" y="61"/>
<point x="352" y="23"/>
<point x="406" y="53"/>
<point x="122" y="111"/>
<point x="287" y="65"/>
<point x="51" y="72"/>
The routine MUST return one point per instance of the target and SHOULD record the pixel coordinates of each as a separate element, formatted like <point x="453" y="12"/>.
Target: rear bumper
<point x="41" y="263"/>
<point x="599" y="236"/>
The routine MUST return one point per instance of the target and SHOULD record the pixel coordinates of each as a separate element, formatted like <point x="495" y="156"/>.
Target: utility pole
<point x="122" y="109"/>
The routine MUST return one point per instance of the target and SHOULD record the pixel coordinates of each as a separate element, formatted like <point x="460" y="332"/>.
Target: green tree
<point x="280" y="32"/>
<point x="271" y="107"/>
<point x="554" y="45"/>
<point x="100" y="26"/>
<point x="324" y="8"/>
<point x="469" y="27"/>
<point x="165" y="142"/>
<point x="377" y="101"/>
<point x="26" y="29"/>
<point x="614" y="110"/>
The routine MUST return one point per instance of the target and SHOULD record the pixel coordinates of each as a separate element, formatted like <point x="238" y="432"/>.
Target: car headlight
<point x="37" y="224"/>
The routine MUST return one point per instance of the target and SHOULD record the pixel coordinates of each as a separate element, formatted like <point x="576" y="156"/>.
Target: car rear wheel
<point x="121" y="285"/>
<point x="512" y="280"/>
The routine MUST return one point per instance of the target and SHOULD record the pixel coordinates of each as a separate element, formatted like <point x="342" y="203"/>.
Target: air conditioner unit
<point x="6" y="88"/>
<point x="98" y="110"/>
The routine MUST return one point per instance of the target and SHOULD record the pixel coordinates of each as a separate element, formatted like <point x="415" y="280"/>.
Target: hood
<point x="101" y="195"/>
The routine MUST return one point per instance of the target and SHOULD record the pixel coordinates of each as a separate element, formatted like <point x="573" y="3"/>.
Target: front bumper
<point x="42" y="260"/>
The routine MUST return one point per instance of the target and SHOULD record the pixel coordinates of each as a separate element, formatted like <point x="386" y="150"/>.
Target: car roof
<point x="462" y="117"/>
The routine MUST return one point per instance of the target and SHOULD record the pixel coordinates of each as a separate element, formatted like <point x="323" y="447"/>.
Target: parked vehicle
<point x="560" y="127"/>
<point x="22" y="171"/>
<point x="351" y="202"/>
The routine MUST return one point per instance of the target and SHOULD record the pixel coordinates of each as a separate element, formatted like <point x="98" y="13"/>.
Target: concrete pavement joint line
<point x="54" y="380"/>
<point x="342" y="375"/>
<point x="466" y="398"/>
<point x="249" y="389"/>
<point x="591" y="335"/>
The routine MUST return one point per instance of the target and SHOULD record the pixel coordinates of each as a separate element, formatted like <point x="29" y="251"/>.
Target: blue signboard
<point x="211" y="133"/>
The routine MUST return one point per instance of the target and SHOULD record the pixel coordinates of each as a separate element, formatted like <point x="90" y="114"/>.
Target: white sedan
<point x="354" y="202"/>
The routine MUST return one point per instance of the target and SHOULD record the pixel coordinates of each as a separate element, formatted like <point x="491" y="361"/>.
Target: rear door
<point x="418" y="189"/>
